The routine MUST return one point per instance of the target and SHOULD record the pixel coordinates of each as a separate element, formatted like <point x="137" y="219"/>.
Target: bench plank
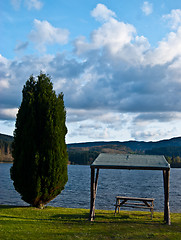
<point x="135" y="198"/>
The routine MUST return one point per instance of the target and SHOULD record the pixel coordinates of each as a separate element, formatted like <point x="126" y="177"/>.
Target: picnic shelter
<point x="130" y="162"/>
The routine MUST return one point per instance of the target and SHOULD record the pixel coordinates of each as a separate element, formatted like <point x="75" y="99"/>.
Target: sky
<point x="118" y="64"/>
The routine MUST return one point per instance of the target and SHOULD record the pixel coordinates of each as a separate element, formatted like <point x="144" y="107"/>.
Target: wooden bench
<point x="134" y="202"/>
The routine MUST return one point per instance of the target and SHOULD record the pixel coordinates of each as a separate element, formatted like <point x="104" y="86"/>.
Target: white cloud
<point x="147" y="8"/>
<point x="98" y="125"/>
<point x="174" y="18"/>
<point x="36" y="4"/>
<point x="3" y="60"/>
<point x="116" y="39"/>
<point x="153" y="132"/>
<point x="147" y="134"/>
<point x="44" y="33"/>
<point x="4" y="75"/>
<point x="167" y="50"/>
<point x="16" y="4"/>
<point x="30" y="4"/>
<point x="13" y="75"/>
<point x="102" y="13"/>
<point x="142" y="43"/>
<point x="112" y="35"/>
<point x="8" y="113"/>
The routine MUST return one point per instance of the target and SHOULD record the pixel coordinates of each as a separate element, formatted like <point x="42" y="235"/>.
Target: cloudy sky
<point x="118" y="64"/>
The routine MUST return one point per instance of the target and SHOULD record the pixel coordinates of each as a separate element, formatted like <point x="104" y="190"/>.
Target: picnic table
<point x="134" y="202"/>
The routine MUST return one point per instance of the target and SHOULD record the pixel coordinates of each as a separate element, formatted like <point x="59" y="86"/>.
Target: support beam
<point x="97" y="176"/>
<point x="166" y="176"/>
<point x="92" y="194"/>
<point x="94" y="182"/>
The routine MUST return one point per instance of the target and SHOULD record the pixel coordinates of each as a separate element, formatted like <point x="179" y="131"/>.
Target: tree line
<point x="5" y="151"/>
<point x="82" y="157"/>
<point x="172" y="154"/>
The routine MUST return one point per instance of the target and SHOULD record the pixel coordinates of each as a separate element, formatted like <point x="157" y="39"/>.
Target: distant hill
<point x="85" y="153"/>
<point x="6" y="138"/>
<point x="171" y="148"/>
<point x="134" y="145"/>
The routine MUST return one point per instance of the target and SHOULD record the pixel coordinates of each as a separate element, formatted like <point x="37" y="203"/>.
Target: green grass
<point x="65" y="223"/>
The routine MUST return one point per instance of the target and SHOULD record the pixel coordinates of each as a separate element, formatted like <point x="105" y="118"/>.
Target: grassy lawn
<point x="65" y="223"/>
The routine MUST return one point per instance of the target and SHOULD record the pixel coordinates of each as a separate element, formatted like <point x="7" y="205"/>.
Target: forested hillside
<point x="5" y="148"/>
<point x="134" y="145"/>
<point x="172" y="154"/>
<point x="85" y="153"/>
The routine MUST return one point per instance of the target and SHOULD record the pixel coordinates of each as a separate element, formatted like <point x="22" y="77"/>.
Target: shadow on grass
<point x="71" y="217"/>
<point x="109" y="218"/>
<point x="12" y="206"/>
<point x="82" y="217"/>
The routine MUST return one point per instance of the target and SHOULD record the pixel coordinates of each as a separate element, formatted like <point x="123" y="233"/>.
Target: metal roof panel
<point x="130" y="161"/>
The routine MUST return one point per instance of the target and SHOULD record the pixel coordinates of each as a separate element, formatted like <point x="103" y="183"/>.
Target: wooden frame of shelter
<point x="130" y="161"/>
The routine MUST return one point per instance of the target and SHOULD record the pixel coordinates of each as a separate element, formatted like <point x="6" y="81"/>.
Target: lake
<point x="112" y="182"/>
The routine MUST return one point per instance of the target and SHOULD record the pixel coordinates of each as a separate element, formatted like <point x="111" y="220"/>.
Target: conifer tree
<point x="40" y="155"/>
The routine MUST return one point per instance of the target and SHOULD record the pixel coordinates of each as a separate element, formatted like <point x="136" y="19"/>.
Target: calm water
<point x="136" y="183"/>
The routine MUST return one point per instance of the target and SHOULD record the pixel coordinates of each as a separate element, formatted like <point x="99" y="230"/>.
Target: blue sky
<point x="117" y="63"/>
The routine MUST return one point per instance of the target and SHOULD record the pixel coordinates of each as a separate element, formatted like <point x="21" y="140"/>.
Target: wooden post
<point x="166" y="175"/>
<point x="92" y="194"/>
<point x="94" y="183"/>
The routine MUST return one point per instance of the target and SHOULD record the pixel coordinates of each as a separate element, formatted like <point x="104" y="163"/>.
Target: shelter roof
<point x="130" y="161"/>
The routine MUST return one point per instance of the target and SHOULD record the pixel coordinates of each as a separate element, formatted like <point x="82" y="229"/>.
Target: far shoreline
<point x="11" y="162"/>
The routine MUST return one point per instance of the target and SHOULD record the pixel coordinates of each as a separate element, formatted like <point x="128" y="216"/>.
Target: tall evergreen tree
<point x="40" y="155"/>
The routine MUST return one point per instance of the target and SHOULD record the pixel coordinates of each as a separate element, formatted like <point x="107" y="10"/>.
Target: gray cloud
<point x="97" y="84"/>
<point x="148" y="134"/>
<point x="158" y="116"/>
<point x="21" y="46"/>
<point x="130" y="90"/>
